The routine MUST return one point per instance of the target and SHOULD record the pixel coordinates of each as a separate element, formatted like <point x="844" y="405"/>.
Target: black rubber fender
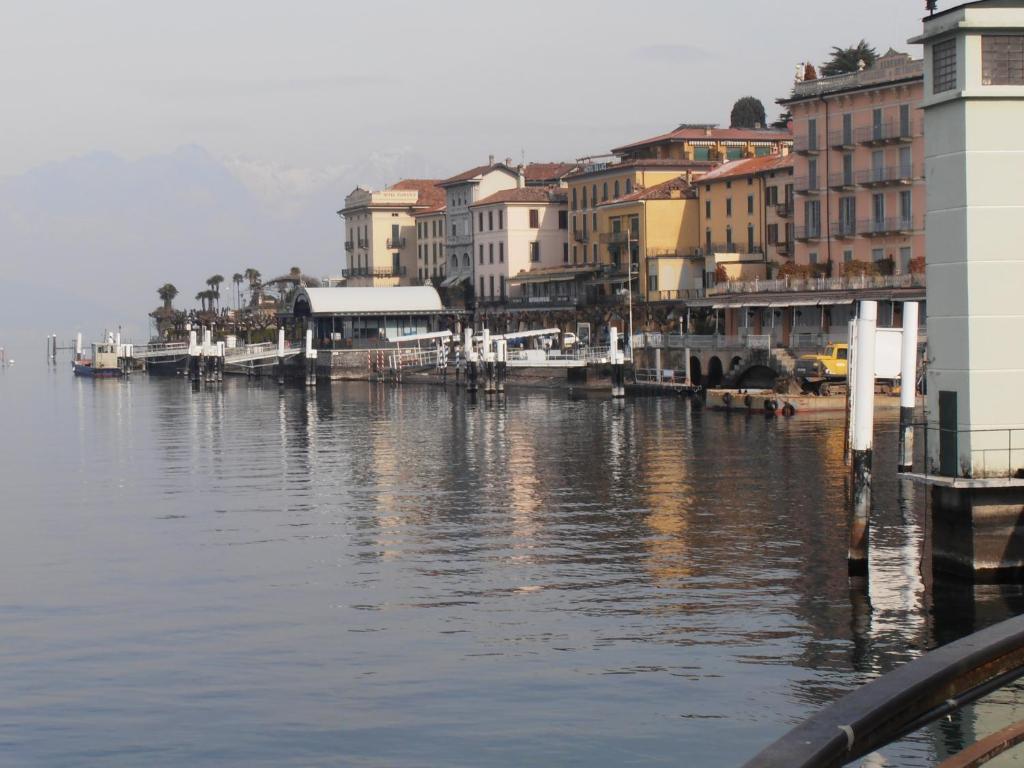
<point x="788" y="409"/>
<point x="748" y="401"/>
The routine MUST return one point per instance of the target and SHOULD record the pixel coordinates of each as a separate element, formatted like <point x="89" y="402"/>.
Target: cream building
<point x="430" y="244"/>
<point x="516" y="231"/>
<point x="380" y="232"/>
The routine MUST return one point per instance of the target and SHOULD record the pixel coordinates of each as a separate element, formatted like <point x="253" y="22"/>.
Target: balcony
<point x="784" y="210"/>
<point x="348" y="245"/>
<point x="381" y="272"/>
<point x="880" y="177"/>
<point x="841" y="181"/>
<point x="807" y="233"/>
<point x="616" y="238"/>
<point x="807" y="185"/>
<point x="806" y="145"/>
<point x="579" y="236"/>
<point x="844" y="229"/>
<point x="363" y="243"/>
<point x="886" y="227"/>
<point x="841" y="139"/>
<point x="893" y="132"/>
<point x="784" y="248"/>
<point x="396" y="244"/>
<point x="793" y="285"/>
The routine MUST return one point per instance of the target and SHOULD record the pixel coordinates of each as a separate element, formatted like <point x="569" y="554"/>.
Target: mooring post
<point x="78" y="345"/>
<point x="280" y="356"/>
<point x="502" y="365"/>
<point x="488" y="355"/>
<point x="617" y="361"/>
<point x="686" y="361"/>
<point x="471" y="362"/>
<point x="908" y="386"/>
<point x="310" y="359"/>
<point x="863" y="394"/>
<point x="657" y="366"/>
<point x="192" y="371"/>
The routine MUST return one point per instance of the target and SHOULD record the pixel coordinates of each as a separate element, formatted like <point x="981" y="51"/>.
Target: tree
<point x="748" y="112"/>
<point x="167" y="292"/>
<point x="253" y="276"/>
<point x="845" y="60"/>
<point x="237" y="279"/>
<point x="214" y="283"/>
<point x="201" y="298"/>
<point x="782" y="122"/>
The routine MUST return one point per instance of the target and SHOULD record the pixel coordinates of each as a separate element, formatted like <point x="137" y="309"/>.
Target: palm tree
<point x="214" y="283"/>
<point x="253" y="276"/>
<point x="845" y="60"/>
<point x="201" y="298"/>
<point x="237" y="279"/>
<point x="167" y="292"/>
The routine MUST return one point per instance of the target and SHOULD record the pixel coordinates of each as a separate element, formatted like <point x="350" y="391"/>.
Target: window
<point x="584" y="197"/>
<point x="707" y="209"/>
<point x="734" y="153"/>
<point x="481" y="253"/>
<point x="490" y="253"/>
<point x="812" y="173"/>
<point x="595" y="253"/>
<point x="575" y="255"/>
<point x="847" y="215"/>
<point x="906" y="209"/>
<point x="503" y="290"/>
<point x="750" y="203"/>
<point x="812" y="133"/>
<point x="847" y="170"/>
<point x="847" y="256"/>
<point x="534" y="251"/>
<point x="773" y="234"/>
<point x="593" y="195"/>
<point x="906" y="254"/>
<point x="604" y="191"/>
<point x="481" y="227"/>
<point x="563" y="219"/>
<point x="565" y="253"/>
<point x="847" y="129"/>
<point x="629" y="186"/>
<point x="812" y="217"/>
<point x="750" y="238"/>
<point x="944" y="66"/>
<point x="574" y="198"/>
<point x="534" y="218"/>
<point x="1002" y="60"/>
<point x="616" y="190"/>
<point x="595" y="222"/>
<point x="878" y="209"/>
<point x="812" y="258"/>
<point x="876" y="124"/>
<point x="877" y="254"/>
<point x="904" y="120"/>
<point x="490" y="220"/>
<point x="481" y="286"/>
<point x="707" y="240"/>
<point x="501" y="219"/>
<point x="501" y="253"/>
<point x="906" y="164"/>
<point x="491" y="281"/>
<point x="652" y="283"/>
<point x="728" y="238"/>
<point x="728" y="206"/>
<point x="453" y="230"/>
<point x="728" y="185"/>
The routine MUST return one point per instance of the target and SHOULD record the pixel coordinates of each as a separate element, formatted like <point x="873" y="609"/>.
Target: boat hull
<point x="81" y="369"/>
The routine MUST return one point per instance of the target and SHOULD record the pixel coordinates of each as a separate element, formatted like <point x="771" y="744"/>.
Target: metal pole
<point x="908" y="386"/>
<point x="280" y="356"/>
<point x="863" y="432"/>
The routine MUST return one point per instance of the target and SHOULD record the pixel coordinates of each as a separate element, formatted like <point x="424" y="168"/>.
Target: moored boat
<point x="104" y="362"/>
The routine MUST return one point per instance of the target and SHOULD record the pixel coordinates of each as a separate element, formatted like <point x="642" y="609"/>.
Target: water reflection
<point x="378" y="575"/>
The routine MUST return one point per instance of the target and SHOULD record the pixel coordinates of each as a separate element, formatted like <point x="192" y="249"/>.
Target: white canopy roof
<point x="369" y="301"/>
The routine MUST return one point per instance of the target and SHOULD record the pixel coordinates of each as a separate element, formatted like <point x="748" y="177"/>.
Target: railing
<point x="348" y="245"/>
<point x="806" y="143"/>
<point x="578" y="236"/>
<point x="871" y="76"/>
<point x="396" y="244"/>
<point x="807" y="232"/>
<point x="616" y="238"/>
<point x="893" y="174"/>
<point x="674" y="253"/>
<point x="905" y="700"/>
<point x="542" y="301"/>
<point x="894" y="130"/>
<point x="160" y="350"/>
<point x="992" y="452"/>
<point x="881" y="227"/>
<point x="783" y="210"/>
<point x="363" y="243"/>
<point x="844" y="228"/>
<point x="841" y="139"/>
<point x="789" y="284"/>
<point x="675" y="295"/>
<point x="841" y="180"/>
<point x="759" y="341"/>
<point x="663" y="378"/>
<point x="374" y="272"/>
<point x="784" y="248"/>
<point x="806" y="185"/>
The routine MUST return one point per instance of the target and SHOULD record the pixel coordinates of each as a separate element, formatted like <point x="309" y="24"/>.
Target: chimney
<point x="490" y="159"/>
<point x="520" y="176"/>
<point x="508" y="161"/>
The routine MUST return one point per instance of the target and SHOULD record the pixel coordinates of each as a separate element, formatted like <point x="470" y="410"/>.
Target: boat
<point x="104" y="363"/>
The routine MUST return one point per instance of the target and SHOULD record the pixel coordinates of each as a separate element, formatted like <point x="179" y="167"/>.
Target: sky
<point x="314" y="83"/>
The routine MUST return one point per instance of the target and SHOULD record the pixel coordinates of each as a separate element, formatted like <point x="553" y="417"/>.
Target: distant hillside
<point x="86" y="241"/>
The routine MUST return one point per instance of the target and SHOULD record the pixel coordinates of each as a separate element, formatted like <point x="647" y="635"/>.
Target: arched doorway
<point x="757" y="377"/>
<point x="715" y="372"/>
<point x="696" y="375"/>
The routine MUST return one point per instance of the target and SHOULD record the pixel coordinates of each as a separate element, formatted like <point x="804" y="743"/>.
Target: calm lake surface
<point x="363" y="575"/>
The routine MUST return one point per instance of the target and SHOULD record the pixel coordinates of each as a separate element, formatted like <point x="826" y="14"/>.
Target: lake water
<point x="365" y="575"/>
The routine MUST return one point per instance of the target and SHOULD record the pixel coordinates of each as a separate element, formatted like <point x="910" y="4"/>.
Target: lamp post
<point x="629" y="287"/>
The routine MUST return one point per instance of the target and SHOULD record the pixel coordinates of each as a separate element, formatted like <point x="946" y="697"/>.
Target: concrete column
<point x="686" y="359"/>
<point x="908" y="386"/>
<point x="657" y="364"/>
<point x="280" y="356"/>
<point x="617" y="361"/>
<point x="78" y="345"/>
<point x="863" y="383"/>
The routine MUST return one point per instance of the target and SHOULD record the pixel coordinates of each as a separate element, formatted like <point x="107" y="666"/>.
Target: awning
<point x="520" y="279"/>
<point x="453" y="280"/>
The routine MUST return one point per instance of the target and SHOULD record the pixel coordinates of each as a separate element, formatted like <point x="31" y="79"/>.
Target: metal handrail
<point x="903" y="701"/>
<point x="960" y="473"/>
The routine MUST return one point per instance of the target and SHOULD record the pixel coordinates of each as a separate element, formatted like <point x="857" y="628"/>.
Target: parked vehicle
<point x="827" y="372"/>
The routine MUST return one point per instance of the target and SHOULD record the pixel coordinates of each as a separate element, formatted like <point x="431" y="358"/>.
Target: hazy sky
<point x="322" y="82"/>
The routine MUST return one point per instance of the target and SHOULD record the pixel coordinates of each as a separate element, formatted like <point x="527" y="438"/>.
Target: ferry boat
<point x="104" y="362"/>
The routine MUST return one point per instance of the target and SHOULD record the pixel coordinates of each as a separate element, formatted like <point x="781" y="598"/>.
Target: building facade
<point x="516" y="231"/>
<point x="380" y="232"/>
<point x="431" y="260"/>
<point x="859" y="168"/>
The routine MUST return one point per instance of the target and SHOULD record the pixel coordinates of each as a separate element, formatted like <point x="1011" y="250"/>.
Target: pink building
<point x="859" y="167"/>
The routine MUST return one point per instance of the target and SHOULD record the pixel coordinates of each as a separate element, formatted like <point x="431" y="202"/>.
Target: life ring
<point x="788" y="409"/>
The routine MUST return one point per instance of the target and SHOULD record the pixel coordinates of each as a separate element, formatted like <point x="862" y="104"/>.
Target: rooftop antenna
<point x="931" y="6"/>
<point x="522" y="156"/>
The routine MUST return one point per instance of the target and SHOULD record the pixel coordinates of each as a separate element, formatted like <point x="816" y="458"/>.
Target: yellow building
<point x="380" y="232"/>
<point x="431" y="261"/>
<point x="746" y="209"/>
<point x="655" y="229"/>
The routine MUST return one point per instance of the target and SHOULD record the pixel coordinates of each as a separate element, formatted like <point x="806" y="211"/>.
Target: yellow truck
<point x="824" y="373"/>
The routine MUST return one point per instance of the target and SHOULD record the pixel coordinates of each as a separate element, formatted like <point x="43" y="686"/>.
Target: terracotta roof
<point x="472" y="173"/>
<point x="543" y="195"/>
<point x="548" y="171"/>
<point x="689" y="133"/>
<point x="749" y="167"/>
<point x="645" y="162"/>
<point x="433" y="210"/>
<point x="661" y="191"/>
<point x="430" y="194"/>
